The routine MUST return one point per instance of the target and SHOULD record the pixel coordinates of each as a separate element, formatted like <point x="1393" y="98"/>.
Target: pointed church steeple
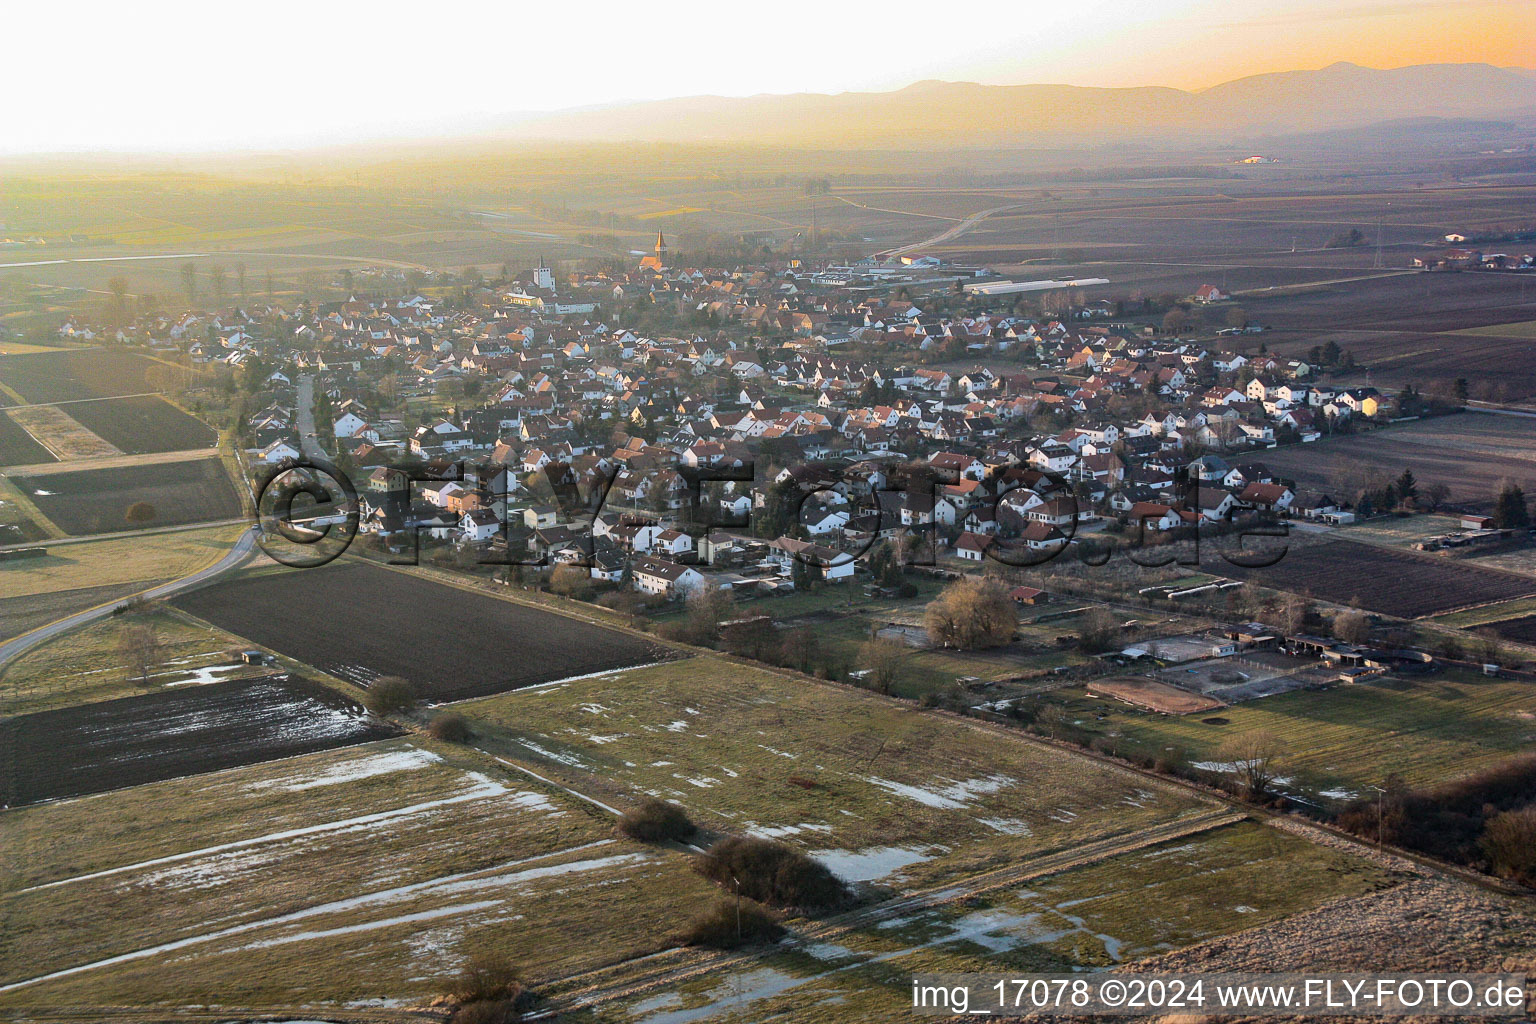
<point x="659" y="260"/>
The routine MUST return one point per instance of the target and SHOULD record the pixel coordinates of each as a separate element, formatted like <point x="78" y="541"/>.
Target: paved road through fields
<point x="237" y="555"/>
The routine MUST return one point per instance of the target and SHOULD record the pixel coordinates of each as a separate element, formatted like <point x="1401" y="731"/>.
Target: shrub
<point x="487" y="978"/>
<point x="1448" y="820"/>
<point x="390" y="695"/>
<point x="730" y="925"/>
<point x="139" y="513"/>
<point x="771" y="873"/>
<point x="451" y="728"/>
<point x="490" y="1011"/>
<point x="1510" y="843"/>
<point x="656" y="821"/>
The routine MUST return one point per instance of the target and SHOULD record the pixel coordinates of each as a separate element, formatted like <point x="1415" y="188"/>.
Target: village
<point x="709" y="540"/>
<point x="644" y="437"/>
<point x="1062" y="424"/>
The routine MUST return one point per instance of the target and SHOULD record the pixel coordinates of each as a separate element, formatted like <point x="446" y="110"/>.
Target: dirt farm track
<point x="359" y="622"/>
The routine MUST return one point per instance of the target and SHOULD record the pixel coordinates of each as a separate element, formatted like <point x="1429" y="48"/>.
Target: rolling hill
<point x="936" y="114"/>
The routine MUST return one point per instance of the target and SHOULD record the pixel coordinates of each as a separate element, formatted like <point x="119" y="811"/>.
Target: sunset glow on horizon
<point x="179" y="76"/>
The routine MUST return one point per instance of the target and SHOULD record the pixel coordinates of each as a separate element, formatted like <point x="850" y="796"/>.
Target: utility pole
<point x="1380" y="795"/>
<point x="735" y="881"/>
<point x="1379" y="218"/>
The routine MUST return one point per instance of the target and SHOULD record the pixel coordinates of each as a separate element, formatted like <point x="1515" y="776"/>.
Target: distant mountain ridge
<point x="935" y="114"/>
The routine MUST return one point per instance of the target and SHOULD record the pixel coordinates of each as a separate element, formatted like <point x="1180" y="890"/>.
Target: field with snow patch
<point x="1112" y="912"/>
<point x="372" y="872"/>
<point x="878" y="791"/>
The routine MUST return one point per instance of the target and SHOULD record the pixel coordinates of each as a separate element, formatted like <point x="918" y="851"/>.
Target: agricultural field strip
<point x="464" y="881"/>
<point x="523" y="643"/>
<point x="64" y="437"/>
<point x="235" y="867"/>
<point x="173" y="732"/>
<point x="144" y="425"/>
<point x="480" y="791"/>
<point x="79" y="401"/>
<point x="93" y="499"/>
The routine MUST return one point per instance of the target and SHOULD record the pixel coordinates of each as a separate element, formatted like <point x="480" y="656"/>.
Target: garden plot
<point x="891" y="794"/>
<point x="366" y="873"/>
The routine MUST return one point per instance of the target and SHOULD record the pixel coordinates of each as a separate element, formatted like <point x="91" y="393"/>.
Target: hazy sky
<point x="160" y="75"/>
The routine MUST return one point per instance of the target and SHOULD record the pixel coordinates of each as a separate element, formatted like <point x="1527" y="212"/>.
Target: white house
<point x="664" y="577"/>
<point x="277" y="451"/>
<point x="348" y="424"/>
<point x="971" y="547"/>
<point x="479" y="526"/>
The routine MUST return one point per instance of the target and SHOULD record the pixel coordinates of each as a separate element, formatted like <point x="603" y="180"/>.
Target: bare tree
<point x="189" y="282"/>
<point x="1293" y="614"/>
<point x="1434" y="495"/>
<point x="1254" y="756"/>
<point x="1352" y="627"/>
<point x="1488" y="649"/>
<point x="884" y="658"/>
<point x="118" y="286"/>
<point x="141" y="651"/>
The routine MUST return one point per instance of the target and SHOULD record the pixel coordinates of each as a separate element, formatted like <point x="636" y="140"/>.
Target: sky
<point x="169" y="75"/>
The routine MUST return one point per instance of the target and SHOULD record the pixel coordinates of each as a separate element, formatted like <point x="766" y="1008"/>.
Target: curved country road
<point x="952" y="232"/>
<point x="236" y="555"/>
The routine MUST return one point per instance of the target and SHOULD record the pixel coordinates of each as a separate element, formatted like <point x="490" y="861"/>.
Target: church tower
<point x="658" y="261"/>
